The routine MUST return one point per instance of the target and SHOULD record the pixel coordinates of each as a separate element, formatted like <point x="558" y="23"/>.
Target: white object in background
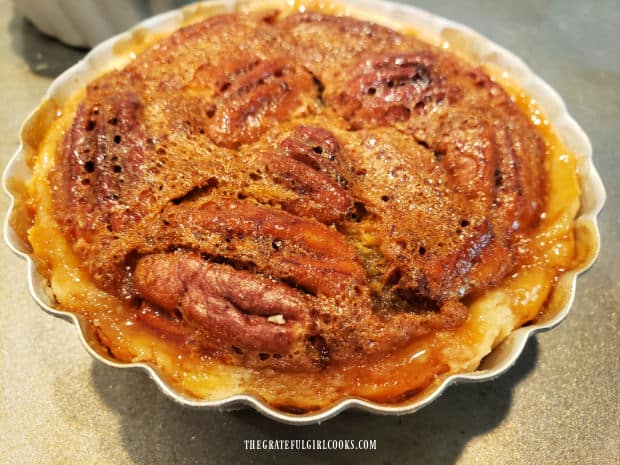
<point x="85" y="23"/>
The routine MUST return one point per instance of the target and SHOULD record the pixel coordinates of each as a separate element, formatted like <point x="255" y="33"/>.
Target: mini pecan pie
<point x="297" y="195"/>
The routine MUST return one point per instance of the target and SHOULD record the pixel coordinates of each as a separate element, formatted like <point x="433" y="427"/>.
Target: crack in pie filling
<point x="301" y="206"/>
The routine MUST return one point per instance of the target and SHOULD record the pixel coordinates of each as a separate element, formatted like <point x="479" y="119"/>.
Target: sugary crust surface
<point x="293" y="192"/>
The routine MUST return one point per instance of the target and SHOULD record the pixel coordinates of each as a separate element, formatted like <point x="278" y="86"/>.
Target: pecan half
<point x="309" y="162"/>
<point x="310" y="254"/>
<point x="317" y="148"/>
<point x="102" y="158"/>
<point x="384" y="89"/>
<point x="252" y="92"/>
<point x="234" y="306"/>
<point x="328" y="44"/>
<point x="464" y="145"/>
<point x="319" y="196"/>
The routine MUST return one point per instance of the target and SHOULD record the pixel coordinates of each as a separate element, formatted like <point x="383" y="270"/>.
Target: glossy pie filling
<point x="300" y="206"/>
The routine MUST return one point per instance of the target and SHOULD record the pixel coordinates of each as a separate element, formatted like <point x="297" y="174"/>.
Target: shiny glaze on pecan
<point x="302" y="251"/>
<point x="249" y="94"/>
<point x="103" y="152"/>
<point x="233" y="306"/>
<point x="385" y="89"/>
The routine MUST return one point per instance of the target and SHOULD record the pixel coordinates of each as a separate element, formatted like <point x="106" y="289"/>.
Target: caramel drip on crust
<point x="298" y="190"/>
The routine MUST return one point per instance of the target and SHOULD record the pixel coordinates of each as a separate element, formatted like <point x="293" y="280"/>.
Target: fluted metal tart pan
<point x="428" y="25"/>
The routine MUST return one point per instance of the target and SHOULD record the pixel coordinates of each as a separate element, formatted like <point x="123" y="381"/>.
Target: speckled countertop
<point x="558" y="405"/>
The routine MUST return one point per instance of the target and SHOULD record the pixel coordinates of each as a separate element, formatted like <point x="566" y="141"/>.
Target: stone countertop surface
<point x="558" y="405"/>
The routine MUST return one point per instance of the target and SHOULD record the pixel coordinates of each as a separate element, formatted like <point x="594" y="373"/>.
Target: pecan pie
<point x="296" y="193"/>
